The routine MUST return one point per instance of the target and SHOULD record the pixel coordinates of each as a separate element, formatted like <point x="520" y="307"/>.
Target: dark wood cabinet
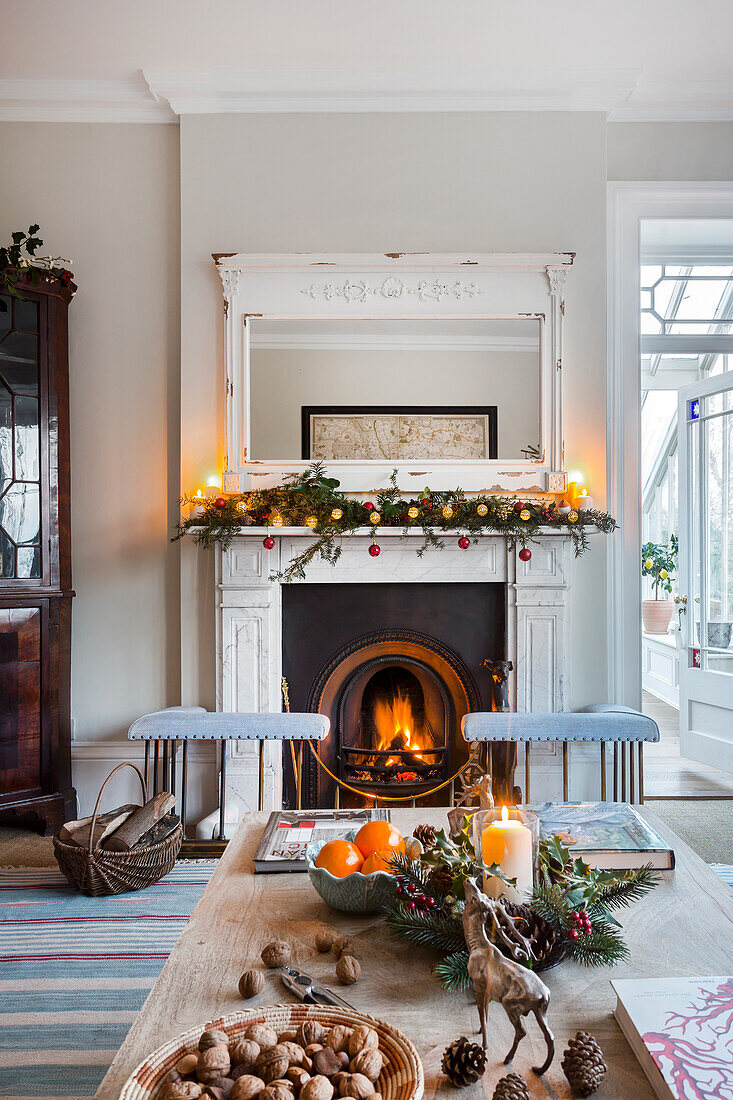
<point x="35" y="558"/>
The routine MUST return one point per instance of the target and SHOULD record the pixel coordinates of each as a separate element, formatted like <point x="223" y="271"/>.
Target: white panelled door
<point x="706" y="571"/>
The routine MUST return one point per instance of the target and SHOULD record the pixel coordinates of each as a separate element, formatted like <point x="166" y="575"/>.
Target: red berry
<point x="411" y="905"/>
<point x="268" y="543"/>
<point x="573" y="934"/>
<point x="464" y="543"/>
<point x="375" y="550"/>
<point x="220" y="502"/>
<point x="518" y="506"/>
<point x="368" y="505"/>
<point x="525" y="553"/>
<point x="424" y="501"/>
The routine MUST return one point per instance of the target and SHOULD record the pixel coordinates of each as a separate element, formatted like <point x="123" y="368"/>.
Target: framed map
<point x="335" y="433"/>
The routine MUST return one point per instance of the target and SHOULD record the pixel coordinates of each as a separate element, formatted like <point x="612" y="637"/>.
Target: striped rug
<point x="74" y="972"/>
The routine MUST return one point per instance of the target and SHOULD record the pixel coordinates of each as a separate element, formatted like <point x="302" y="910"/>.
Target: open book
<point x="610" y="835"/>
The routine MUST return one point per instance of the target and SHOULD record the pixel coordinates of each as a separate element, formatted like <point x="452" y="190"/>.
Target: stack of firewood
<point x="126" y="827"/>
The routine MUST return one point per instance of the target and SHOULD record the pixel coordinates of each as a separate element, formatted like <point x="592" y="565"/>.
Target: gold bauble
<point x="311" y="521"/>
<point x="375" y="518"/>
<point x="336" y="513"/>
<point x="277" y="521"/>
<point x="481" y="510"/>
<point x="413" y="512"/>
<point x="525" y="514"/>
<point x="447" y="511"/>
<point x="243" y="506"/>
<point x="572" y="516"/>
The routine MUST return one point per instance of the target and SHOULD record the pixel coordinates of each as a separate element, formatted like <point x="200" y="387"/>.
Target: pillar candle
<point x="508" y="843"/>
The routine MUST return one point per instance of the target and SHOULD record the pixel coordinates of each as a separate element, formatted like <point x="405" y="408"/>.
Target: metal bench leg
<point x="261" y="797"/>
<point x="615" y="771"/>
<point x="641" y="772"/>
<point x="603" y="771"/>
<point x="624" y="794"/>
<point x="632" y="773"/>
<point x="526" y="770"/>
<point x="184" y="786"/>
<point x="565" y="772"/>
<point x="222" y="791"/>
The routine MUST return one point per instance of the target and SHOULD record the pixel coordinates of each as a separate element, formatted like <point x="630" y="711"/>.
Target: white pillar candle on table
<point x="508" y="843"/>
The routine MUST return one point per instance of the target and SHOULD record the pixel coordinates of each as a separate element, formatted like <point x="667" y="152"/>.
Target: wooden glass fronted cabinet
<point x="35" y="559"/>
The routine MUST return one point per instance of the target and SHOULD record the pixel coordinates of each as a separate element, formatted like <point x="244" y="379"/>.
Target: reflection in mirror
<point x="401" y="390"/>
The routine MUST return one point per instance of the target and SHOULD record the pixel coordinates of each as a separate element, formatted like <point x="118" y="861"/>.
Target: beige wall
<point x="670" y="151"/>
<point x="389" y="182"/>
<point x="106" y="196"/>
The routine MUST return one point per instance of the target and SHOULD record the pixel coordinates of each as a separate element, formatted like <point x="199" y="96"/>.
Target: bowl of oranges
<point x="354" y="874"/>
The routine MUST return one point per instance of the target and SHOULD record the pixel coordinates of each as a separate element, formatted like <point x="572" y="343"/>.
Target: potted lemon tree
<point x="658" y="561"/>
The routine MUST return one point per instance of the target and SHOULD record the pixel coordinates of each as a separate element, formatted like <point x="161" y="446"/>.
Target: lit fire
<point x="395" y="726"/>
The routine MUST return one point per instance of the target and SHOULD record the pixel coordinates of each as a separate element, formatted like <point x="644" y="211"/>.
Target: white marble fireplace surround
<point x="249" y="633"/>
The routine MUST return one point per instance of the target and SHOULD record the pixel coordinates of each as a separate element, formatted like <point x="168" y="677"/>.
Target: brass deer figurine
<point x="497" y="978"/>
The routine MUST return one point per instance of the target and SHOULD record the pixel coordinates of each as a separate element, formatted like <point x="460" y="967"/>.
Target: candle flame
<point x="504" y="814"/>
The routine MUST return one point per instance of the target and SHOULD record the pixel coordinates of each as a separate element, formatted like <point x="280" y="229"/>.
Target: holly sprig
<point x="19" y="259"/>
<point x="313" y="497"/>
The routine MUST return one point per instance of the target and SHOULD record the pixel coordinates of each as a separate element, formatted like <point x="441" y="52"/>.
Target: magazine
<point x="610" y="835"/>
<point x="289" y="832"/>
<point x="679" y="1029"/>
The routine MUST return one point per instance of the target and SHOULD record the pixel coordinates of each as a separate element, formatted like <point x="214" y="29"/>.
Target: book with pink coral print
<point x="681" y="1030"/>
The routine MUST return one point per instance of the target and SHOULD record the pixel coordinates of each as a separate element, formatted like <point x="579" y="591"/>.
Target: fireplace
<point x="395" y="694"/>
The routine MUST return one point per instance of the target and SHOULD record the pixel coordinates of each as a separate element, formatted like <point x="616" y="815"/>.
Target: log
<point x="129" y="833"/>
<point x="77" y="832"/>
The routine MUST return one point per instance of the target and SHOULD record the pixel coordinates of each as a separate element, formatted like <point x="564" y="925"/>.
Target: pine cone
<point x="426" y="835"/>
<point x="583" y="1064"/>
<point x="511" y="1087"/>
<point x="546" y="947"/>
<point x="440" y="881"/>
<point x="463" y="1062"/>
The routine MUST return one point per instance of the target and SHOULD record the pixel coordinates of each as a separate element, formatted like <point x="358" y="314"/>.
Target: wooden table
<point x="684" y="927"/>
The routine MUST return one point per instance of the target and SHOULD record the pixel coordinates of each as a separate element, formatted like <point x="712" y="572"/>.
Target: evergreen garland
<point x="311" y="498"/>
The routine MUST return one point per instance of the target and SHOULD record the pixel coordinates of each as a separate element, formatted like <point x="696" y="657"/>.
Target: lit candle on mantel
<point x="196" y="507"/>
<point x="508" y="843"/>
<point x="582" y="500"/>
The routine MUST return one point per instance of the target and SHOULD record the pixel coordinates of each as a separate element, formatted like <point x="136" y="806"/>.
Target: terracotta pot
<point x="655" y="615"/>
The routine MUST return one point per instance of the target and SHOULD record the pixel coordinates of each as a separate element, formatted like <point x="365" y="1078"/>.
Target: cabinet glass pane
<point x="6" y="315"/>
<point x="20" y="490"/>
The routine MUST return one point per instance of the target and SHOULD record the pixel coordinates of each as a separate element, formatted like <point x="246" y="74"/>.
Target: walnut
<point x="277" y="1090"/>
<point x="338" y="1078"/>
<point x="251" y="983"/>
<point x="340" y="945"/>
<point x="212" y="1037"/>
<point x="214" y="1062"/>
<point x="223" y="1088"/>
<point x="263" y="1035"/>
<point x="286" y="1084"/>
<point x="244" y="1052"/>
<point x="324" y="939"/>
<point x="326" y="1062"/>
<point x="296" y="1054"/>
<point x="246" y="1087"/>
<point x="358" y="1086"/>
<point x="298" y="1076"/>
<point x="181" y="1090"/>
<point x="289" y="1037"/>
<point x="348" y="970"/>
<point x="276" y="953"/>
<point x="363" y="1037"/>
<point x="368" y="1062"/>
<point x="273" y="1063"/>
<point x="338" y="1037"/>
<point x="318" y="1088"/>
<point x="310" y="1031"/>
<point x="187" y="1065"/>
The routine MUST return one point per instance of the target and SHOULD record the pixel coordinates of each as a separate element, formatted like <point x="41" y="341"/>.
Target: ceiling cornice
<point x="679" y="101"/>
<point x="81" y="101"/>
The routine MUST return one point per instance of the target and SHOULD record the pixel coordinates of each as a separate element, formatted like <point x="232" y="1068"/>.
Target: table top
<point x="684" y="927"/>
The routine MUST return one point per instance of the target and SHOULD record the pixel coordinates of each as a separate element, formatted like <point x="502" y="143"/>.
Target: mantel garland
<point x="312" y="499"/>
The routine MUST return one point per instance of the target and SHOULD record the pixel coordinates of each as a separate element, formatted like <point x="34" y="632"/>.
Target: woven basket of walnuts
<point x="285" y="1052"/>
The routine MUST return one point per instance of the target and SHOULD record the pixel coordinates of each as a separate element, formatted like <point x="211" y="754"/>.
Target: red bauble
<point x="464" y="543"/>
<point x="220" y="502"/>
<point x="368" y="505"/>
<point x="518" y="506"/>
<point x="268" y="543"/>
<point x="525" y="553"/>
<point x="375" y="550"/>
<point x="424" y="501"/>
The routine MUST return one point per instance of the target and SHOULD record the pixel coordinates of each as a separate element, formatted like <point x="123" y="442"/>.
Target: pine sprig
<point x="438" y="929"/>
<point x="453" y="972"/>
<point x="629" y="887"/>
<point x="603" y="946"/>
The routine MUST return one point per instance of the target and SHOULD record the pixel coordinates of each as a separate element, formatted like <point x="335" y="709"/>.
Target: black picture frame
<point x="307" y="411"/>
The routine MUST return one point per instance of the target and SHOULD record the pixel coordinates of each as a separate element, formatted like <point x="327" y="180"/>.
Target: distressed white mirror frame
<point x="397" y="286"/>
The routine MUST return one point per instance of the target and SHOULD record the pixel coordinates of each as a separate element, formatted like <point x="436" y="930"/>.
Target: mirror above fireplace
<point x="446" y="368"/>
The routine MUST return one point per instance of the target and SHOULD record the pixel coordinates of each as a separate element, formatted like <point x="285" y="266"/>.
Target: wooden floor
<point x="668" y="773"/>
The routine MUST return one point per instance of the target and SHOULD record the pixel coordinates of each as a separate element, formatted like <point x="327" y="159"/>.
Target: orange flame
<point x="395" y="719"/>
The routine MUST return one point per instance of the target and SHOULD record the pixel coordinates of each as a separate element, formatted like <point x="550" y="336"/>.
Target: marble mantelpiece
<point x="249" y="621"/>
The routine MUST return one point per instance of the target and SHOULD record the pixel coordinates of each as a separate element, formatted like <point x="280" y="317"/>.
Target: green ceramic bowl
<point x="356" y="893"/>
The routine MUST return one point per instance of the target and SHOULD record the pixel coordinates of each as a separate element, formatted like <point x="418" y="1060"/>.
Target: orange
<point x="378" y="861"/>
<point x="379" y="836"/>
<point x="340" y="857"/>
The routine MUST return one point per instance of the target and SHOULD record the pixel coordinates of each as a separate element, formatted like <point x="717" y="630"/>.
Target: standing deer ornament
<point x="497" y="978"/>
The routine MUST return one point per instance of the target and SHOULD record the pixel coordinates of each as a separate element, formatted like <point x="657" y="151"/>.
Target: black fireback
<point x="318" y="619"/>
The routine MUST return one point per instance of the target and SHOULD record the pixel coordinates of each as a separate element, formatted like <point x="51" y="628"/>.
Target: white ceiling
<point x="635" y="59"/>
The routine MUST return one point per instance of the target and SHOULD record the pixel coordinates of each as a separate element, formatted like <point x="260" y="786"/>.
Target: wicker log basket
<point x="99" y="873"/>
